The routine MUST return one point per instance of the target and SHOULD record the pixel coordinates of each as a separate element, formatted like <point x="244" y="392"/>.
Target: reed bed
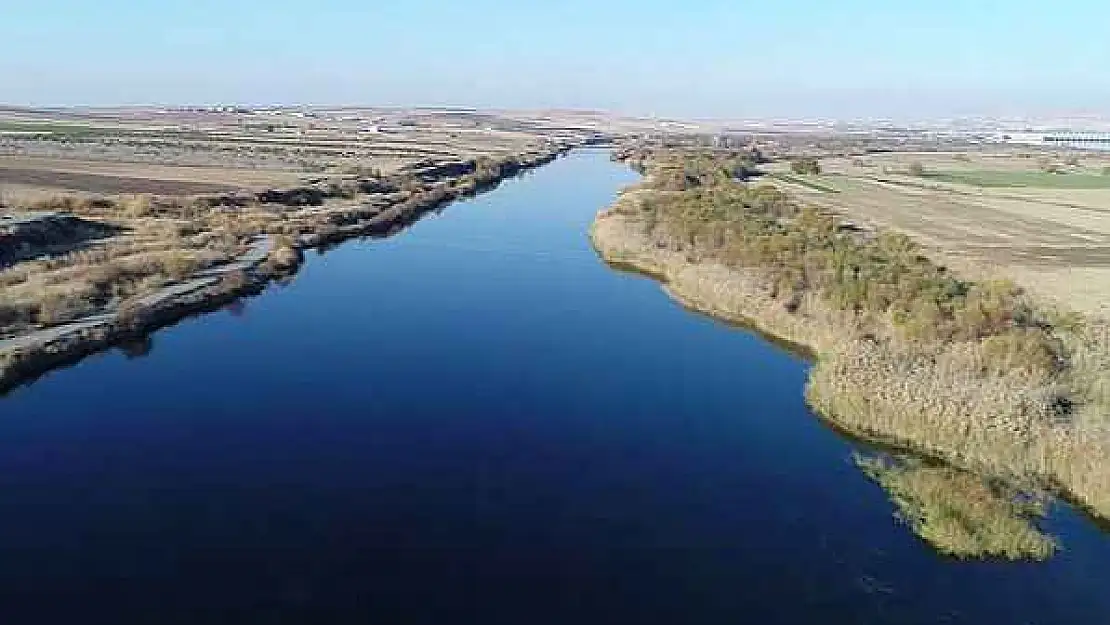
<point x="905" y="352"/>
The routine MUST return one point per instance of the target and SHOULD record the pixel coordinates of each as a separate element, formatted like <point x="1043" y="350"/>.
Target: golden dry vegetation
<point x="973" y="370"/>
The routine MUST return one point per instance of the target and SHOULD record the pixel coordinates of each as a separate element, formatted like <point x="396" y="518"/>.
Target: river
<point x="475" y="421"/>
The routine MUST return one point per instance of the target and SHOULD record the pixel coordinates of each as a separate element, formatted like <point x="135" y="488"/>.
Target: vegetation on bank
<point x="806" y="166"/>
<point x="973" y="371"/>
<point x="878" y="279"/>
<point x="166" y="242"/>
<point x="960" y="514"/>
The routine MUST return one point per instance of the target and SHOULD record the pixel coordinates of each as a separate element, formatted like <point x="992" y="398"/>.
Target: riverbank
<point x="1005" y="402"/>
<point x="29" y="354"/>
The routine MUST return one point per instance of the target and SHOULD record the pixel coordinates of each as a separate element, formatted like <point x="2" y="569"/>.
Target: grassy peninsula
<point x="975" y="372"/>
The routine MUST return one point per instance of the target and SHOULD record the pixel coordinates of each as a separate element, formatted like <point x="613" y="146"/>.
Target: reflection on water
<point x="961" y="514"/>
<point x="139" y="347"/>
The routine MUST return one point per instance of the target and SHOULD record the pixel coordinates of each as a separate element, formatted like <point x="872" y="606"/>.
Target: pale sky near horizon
<point x="694" y="58"/>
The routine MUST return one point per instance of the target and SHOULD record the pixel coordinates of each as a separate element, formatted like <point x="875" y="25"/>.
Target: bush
<point x="13" y="315"/>
<point x="807" y="165"/>
<point x="57" y="308"/>
<point x="179" y="265"/>
<point x="1049" y="167"/>
<point x="1022" y="349"/>
<point x="917" y="169"/>
<point x="283" y="259"/>
<point x="131" y="314"/>
<point x="233" y="282"/>
<point x="136" y="206"/>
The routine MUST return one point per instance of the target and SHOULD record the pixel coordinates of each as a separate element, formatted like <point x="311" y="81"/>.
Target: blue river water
<point x="475" y="421"/>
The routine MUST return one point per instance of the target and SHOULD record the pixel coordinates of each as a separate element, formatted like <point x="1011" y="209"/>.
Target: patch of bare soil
<point x="96" y="183"/>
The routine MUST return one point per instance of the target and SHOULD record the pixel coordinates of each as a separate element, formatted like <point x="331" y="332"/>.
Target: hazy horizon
<point x="704" y="60"/>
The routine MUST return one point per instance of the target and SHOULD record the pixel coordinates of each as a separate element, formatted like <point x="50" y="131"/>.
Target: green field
<point x="1016" y="179"/>
<point x="49" y="128"/>
<point x="75" y="130"/>
<point x="810" y="182"/>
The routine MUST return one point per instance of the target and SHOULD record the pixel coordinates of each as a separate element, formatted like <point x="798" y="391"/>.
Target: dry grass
<point x="49" y="292"/>
<point x="988" y="380"/>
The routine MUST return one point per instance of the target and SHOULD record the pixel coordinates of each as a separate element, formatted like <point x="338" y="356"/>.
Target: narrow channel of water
<point x="476" y="421"/>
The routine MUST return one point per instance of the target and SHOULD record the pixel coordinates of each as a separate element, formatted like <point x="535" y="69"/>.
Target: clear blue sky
<point x="705" y="58"/>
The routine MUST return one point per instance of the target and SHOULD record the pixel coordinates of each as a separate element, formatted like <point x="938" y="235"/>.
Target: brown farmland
<point x="1053" y="240"/>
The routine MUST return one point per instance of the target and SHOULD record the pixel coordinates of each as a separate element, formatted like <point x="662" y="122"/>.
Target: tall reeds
<point x="906" y="352"/>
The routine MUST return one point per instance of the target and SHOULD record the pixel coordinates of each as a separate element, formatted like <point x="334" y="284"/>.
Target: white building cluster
<point x="1072" y="140"/>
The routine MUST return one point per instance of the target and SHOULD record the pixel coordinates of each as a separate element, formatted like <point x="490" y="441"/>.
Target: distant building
<point x="1074" y="140"/>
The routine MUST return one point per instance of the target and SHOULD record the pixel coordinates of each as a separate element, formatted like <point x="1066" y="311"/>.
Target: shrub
<point x="806" y="165"/>
<point x="131" y="314"/>
<point x="283" y="259"/>
<point x="1020" y="349"/>
<point x="58" y="308"/>
<point x="917" y="169"/>
<point x="135" y="206"/>
<point x="412" y="185"/>
<point x="102" y="276"/>
<point x="233" y="282"/>
<point x="13" y="315"/>
<point x="179" y="265"/>
<point x="1049" y="167"/>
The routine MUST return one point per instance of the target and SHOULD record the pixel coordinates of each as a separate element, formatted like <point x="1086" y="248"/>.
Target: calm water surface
<point x="473" y="422"/>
